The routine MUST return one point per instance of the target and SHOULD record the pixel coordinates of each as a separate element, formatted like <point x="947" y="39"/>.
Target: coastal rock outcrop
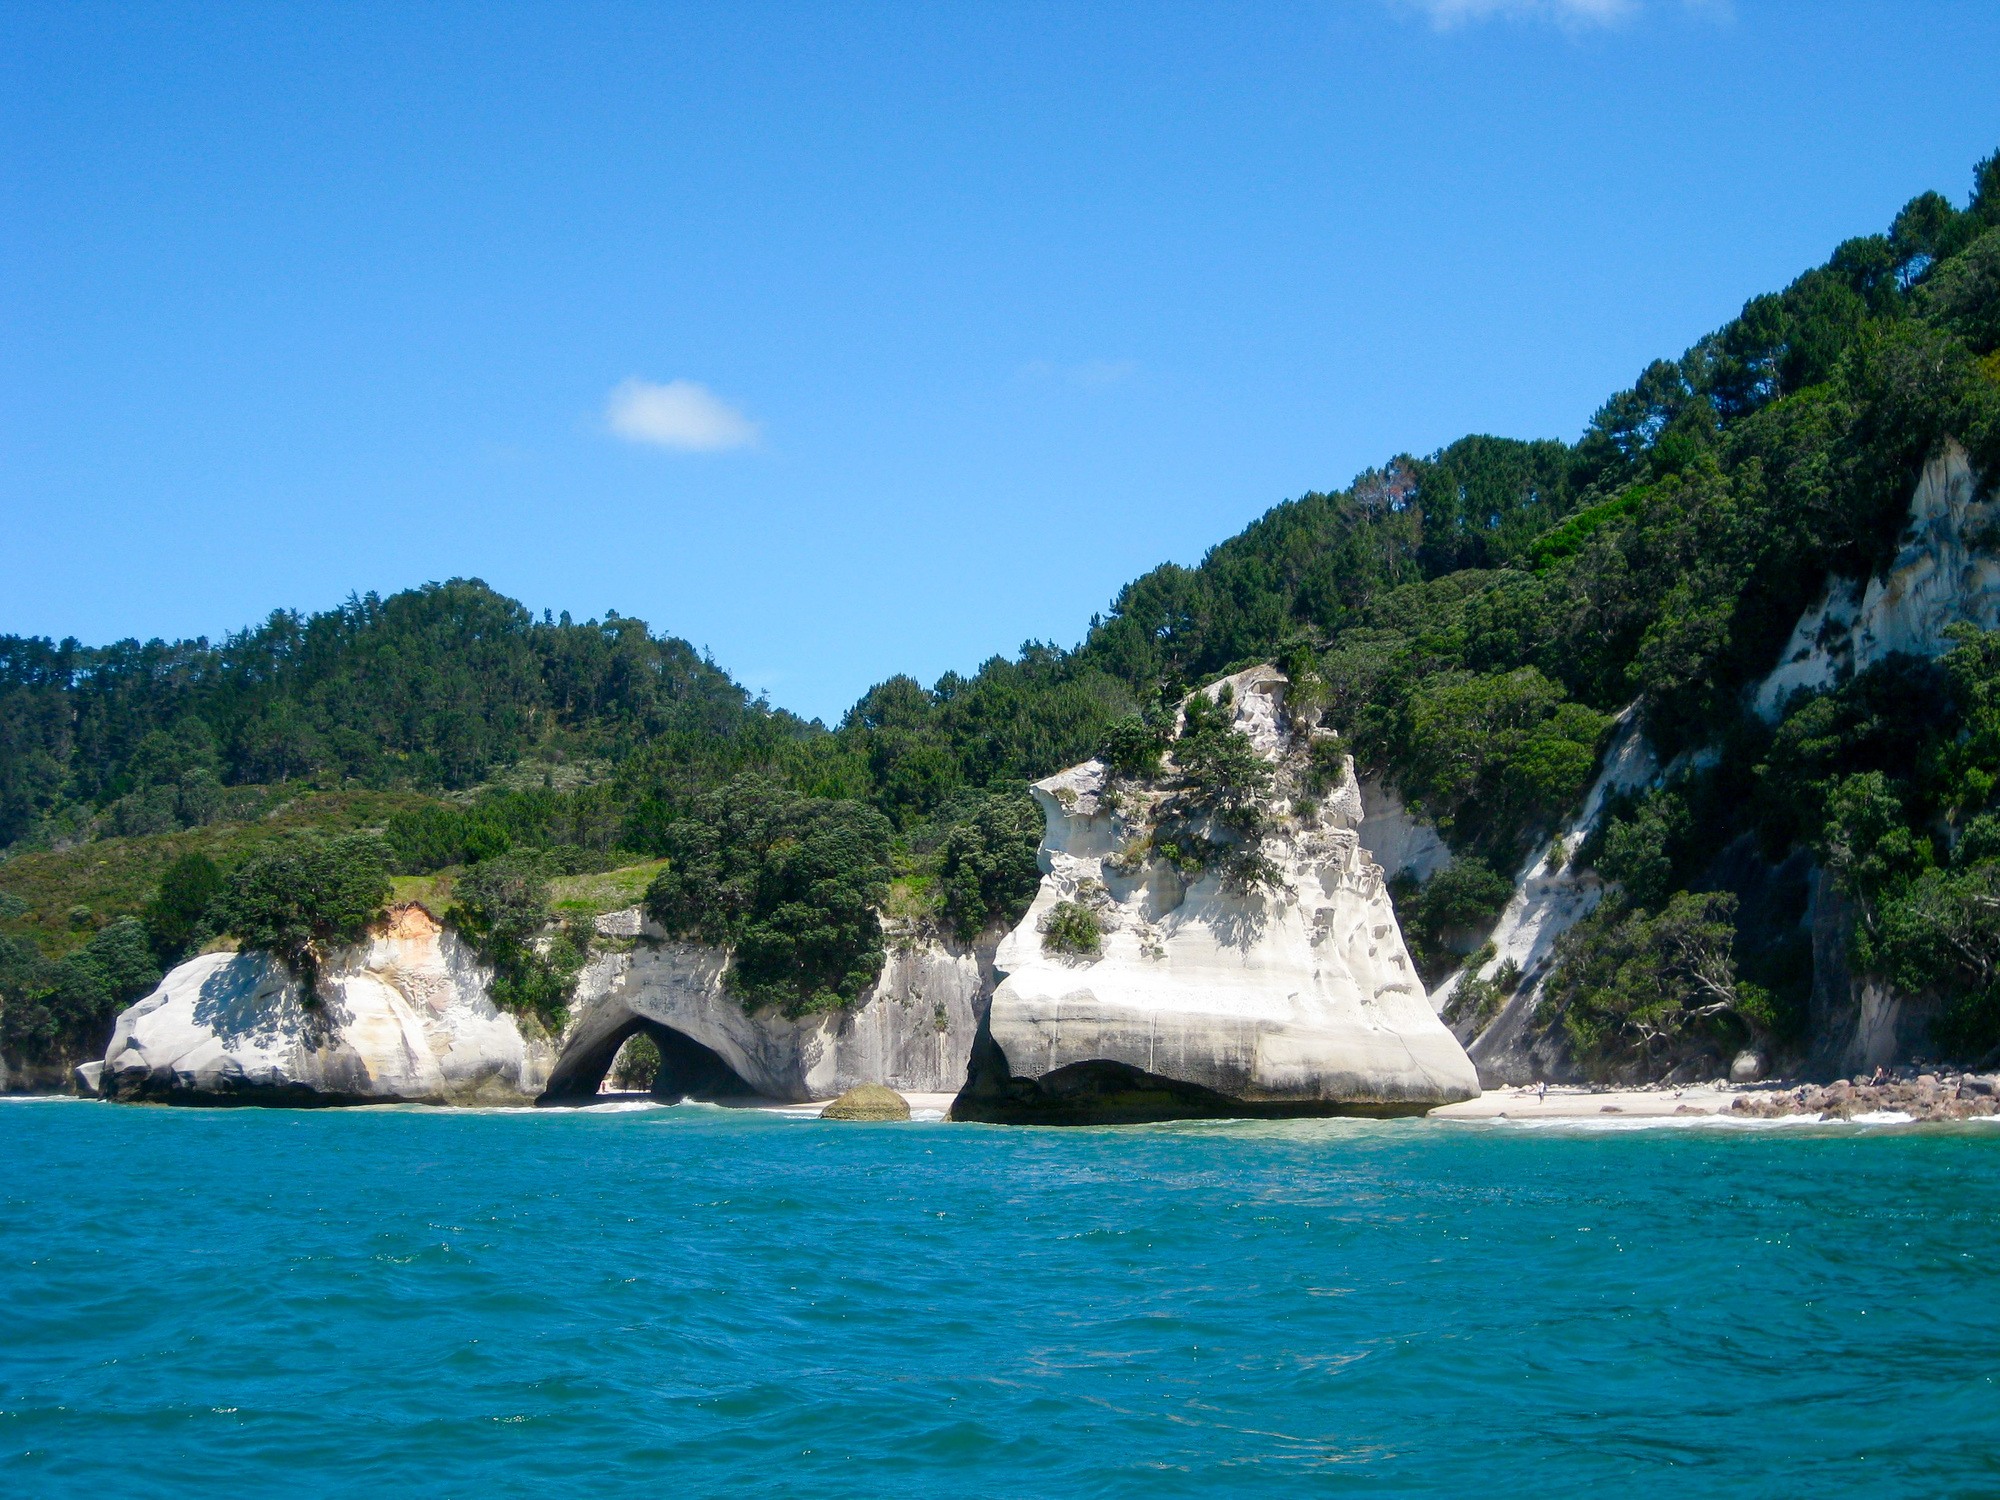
<point x="911" y="1030"/>
<point x="401" y="1017"/>
<point x="406" y="1017"/>
<point x="868" y="1101"/>
<point x="1946" y="573"/>
<point x="1206" y="993"/>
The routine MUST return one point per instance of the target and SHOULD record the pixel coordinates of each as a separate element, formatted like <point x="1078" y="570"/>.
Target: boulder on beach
<point x="870" y="1101"/>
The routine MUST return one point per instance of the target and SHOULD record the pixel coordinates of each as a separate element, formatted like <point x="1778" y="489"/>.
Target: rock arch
<point x="688" y="1069"/>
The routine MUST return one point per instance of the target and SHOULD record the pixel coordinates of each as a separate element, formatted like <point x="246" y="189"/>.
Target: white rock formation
<point x="402" y="1016"/>
<point x="1397" y="840"/>
<point x="1299" y="998"/>
<point x="1947" y="572"/>
<point x="1550" y="897"/>
<point x="405" y="1016"/>
<point x="912" y="1030"/>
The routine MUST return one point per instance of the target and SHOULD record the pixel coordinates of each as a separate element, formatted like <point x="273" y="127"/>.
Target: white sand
<point x="1573" y="1103"/>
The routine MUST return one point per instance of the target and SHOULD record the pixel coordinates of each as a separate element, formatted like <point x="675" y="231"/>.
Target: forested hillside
<point x="1470" y="621"/>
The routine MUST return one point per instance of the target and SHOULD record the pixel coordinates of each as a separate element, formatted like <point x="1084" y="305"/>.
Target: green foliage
<point x="987" y="862"/>
<point x="1462" y="898"/>
<point x="1133" y="747"/>
<point x="1964" y="296"/>
<point x="1220" y="771"/>
<point x="1073" y="930"/>
<point x="180" y="915"/>
<point x="503" y="907"/>
<point x="306" y="895"/>
<point x="637" y="1063"/>
<point x="58" y="1014"/>
<point x="1563" y="542"/>
<point x="1642" y="844"/>
<point x="1633" y="992"/>
<point x="790" y="884"/>
<point x="1939" y="934"/>
<point x="1492" y="756"/>
<point x="1476" y="1000"/>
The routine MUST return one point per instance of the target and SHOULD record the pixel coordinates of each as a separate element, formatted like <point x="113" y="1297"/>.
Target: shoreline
<point x="1906" y="1096"/>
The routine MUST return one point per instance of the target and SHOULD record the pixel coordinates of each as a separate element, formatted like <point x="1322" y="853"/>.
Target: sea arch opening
<point x="688" y="1069"/>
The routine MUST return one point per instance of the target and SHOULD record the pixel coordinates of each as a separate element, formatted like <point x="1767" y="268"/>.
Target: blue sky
<point x="847" y="340"/>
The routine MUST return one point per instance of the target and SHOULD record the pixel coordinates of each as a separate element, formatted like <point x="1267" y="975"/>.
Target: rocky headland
<point x="1268" y="978"/>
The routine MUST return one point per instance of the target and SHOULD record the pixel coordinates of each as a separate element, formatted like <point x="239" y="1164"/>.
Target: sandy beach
<point x="1571" y="1102"/>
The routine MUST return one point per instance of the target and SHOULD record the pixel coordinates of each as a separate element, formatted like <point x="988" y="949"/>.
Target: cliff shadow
<point x="688" y="1070"/>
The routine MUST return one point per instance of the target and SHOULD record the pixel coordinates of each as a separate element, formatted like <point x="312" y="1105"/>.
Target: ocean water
<point x="699" y="1302"/>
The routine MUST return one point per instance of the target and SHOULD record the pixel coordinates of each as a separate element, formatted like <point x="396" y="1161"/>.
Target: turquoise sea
<point x="699" y="1302"/>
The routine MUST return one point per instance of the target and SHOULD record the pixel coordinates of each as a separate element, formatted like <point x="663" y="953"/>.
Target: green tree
<point x="1634" y="991"/>
<point x="987" y="862"/>
<point x="502" y="906"/>
<point x="306" y="896"/>
<point x="791" y="885"/>
<point x="180" y="916"/>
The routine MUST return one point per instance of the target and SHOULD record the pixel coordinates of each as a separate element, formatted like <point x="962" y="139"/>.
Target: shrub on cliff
<point x="790" y="884"/>
<point x="308" y="894"/>
<point x="1072" y="929"/>
<point x="987" y="862"/>
<point x="1465" y="895"/>
<point x="1633" y="992"/>
<point x="502" y="906"/>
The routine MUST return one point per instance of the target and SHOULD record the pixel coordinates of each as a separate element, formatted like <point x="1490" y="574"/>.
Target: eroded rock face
<point x="401" y="1017"/>
<point x="912" y="1030"/>
<point x="1550" y="896"/>
<point x="1293" y="998"/>
<point x="1946" y="574"/>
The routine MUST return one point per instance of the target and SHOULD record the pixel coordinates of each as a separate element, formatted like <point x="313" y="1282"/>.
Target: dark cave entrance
<point x="688" y="1070"/>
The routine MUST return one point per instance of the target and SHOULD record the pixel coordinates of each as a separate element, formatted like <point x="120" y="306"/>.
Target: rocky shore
<point x="1920" y="1095"/>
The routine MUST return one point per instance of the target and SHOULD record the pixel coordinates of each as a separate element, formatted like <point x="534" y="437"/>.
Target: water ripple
<point x="585" y="1302"/>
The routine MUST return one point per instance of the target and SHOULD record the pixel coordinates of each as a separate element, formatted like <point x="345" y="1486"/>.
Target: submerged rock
<point x="1206" y="994"/>
<point x="869" y="1101"/>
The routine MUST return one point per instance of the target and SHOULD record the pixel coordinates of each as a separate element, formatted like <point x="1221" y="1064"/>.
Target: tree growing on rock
<point x="791" y="885"/>
<point x="307" y="895"/>
<point x="503" y="908"/>
<point x="1632" y="991"/>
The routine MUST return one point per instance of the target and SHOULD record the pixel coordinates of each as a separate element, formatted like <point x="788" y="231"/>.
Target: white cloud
<point x="1448" y="14"/>
<point x="681" y="414"/>
<point x="1573" y="15"/>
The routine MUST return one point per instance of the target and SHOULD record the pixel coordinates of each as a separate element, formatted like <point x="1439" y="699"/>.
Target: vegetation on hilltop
<point x="1469" y="622"/>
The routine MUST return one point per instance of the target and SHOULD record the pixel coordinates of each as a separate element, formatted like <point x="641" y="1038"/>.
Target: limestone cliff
<point x="406" y="1017"/>
<point x="403" y="1016"/>
<point x="911" y="1030"/>
<point x="1946" y="573"/>
<point x="1293" y="995"/>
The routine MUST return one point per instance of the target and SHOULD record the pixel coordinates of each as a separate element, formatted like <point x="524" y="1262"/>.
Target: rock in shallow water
<point x="870" y="1101"/>
<point x="1205" y="997"/>
<point x="403" y="1016"/>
